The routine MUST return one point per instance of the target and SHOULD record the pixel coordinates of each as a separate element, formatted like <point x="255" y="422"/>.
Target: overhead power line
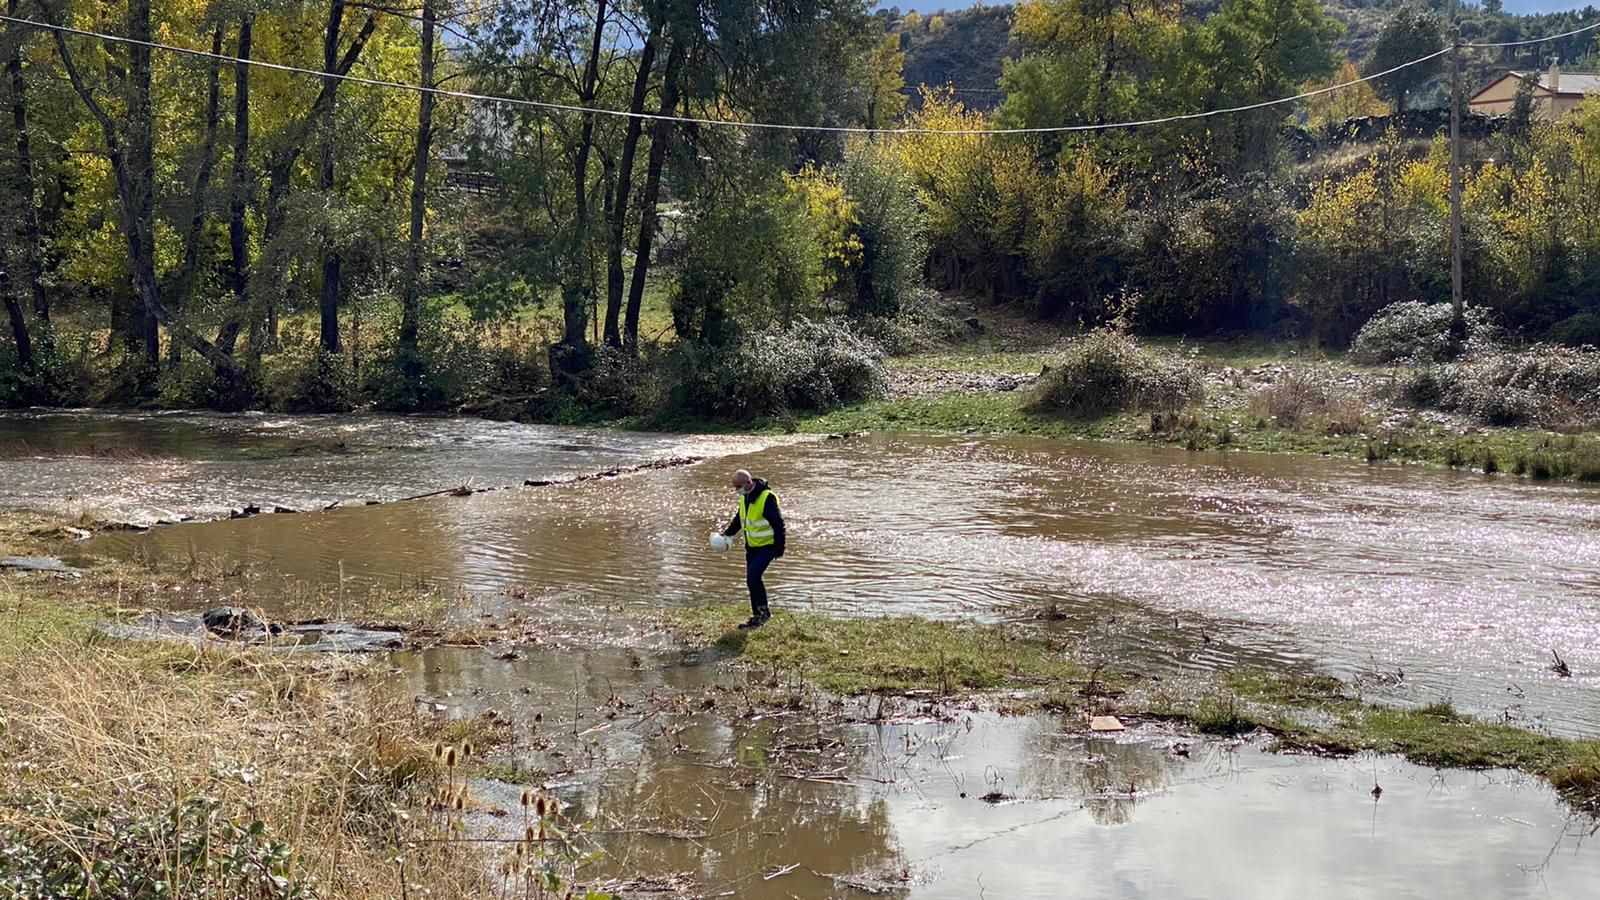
<point x="760" y="126"/>
<point x="1553" y="37"/>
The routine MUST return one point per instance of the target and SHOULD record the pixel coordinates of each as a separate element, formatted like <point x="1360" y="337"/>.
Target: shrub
<point x="17" y="388"/>
<point x="927" y="319"/>
<point x="1582" y="330"/>
<point x="890" y="228"/>
<point x="100" y="851"/>
<point x="1298" y="397"/>
<point x="461" y="363"/>
<point x="1415" y="332"/>
<point x="619" y="384"/>
<point x="805" y="367"/>
<point x="310" y="381"/>
<point x="1544" y="384"/>
<point x="1106" y="371"/>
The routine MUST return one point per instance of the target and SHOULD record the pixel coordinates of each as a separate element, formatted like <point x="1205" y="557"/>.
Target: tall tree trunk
<point x="19" y="325"/>
<point x="576" y="293"/>
<point x="184" y="285"/>
<point x="619" y="205"/>
<point x="32" y="257"/>
<point x="141" y="174"/>
<point x="661" y="132"/>
<point x="331" y="262"/>
<point x="132" y="166"/>
<point x="411" y="306"/>
<point x="243" y="189"/>
<point x="280" y="164"/>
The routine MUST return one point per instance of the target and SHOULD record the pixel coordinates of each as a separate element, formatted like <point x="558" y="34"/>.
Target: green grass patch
<point x="1305" y="710"/>
<point x="870" y="655"/>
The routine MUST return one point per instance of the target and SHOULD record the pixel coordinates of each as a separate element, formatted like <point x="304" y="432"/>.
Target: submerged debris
<point x="1560" y="666"/>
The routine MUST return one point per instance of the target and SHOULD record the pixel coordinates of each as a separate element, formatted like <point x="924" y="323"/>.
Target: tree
<point x="411" y="300"/>
<point x="183" y="284"/>
<point x="24" y="186"/>
<point x="129" y="141"/>
<point x="1259" y="50"/>
<point x="886" y="100"/>
<point x="1326" y="112"/>
<point x="1411" y="33"/>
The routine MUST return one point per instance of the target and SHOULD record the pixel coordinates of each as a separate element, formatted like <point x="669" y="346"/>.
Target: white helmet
<point x="721" y="542"/>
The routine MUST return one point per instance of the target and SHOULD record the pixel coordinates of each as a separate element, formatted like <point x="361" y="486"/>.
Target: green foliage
<point x="462" y="364"/>
<point x="768" y="256"/>
<point x="807" y="366"/>
<point x="100" y="851"/>
<point x="310" y="381"/>
<point x="18" y="387"/>
<point x="1107" y="372"/>
<point x="1389" y="213"/>
<point x="1582" y="330"/>
<point x="1412" y="31"/>
<point x="890" y="227"/>
<point x="1235" y="248"/>
<point x="1416" y="332"/>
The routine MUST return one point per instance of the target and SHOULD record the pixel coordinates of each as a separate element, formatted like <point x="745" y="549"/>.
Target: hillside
<point x="965" y="49"/>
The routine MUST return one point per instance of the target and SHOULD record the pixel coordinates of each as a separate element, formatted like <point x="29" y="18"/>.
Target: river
<point x="1420" y="583"/>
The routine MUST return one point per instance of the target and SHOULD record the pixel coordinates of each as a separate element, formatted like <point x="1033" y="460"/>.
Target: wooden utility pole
<point x="1458" y="313"/>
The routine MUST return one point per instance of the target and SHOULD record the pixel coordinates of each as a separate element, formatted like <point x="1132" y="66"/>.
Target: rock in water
<point x="233" y="621"/>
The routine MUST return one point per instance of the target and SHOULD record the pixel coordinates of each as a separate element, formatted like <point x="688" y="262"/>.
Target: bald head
<point x="742" y="481"/>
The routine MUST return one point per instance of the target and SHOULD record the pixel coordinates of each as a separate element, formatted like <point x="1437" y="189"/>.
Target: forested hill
<point x="965" y="49"/>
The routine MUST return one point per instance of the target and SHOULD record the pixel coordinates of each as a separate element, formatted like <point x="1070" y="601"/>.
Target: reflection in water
<point x="871" y="809"/>
<point x="1152" y="557"/>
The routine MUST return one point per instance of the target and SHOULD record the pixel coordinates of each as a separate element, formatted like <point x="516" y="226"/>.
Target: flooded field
<point x="1423" y="583"/>
<point x="1414" y="584"/>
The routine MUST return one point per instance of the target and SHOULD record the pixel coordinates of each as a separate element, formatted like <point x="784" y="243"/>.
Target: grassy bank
<point x="154" y="768"/>
<point x="1251" y="397"/>
<point x="1539" y="454"/>
<point x="1306" y="712"/>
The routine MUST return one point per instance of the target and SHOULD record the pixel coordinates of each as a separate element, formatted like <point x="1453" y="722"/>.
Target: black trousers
<point x="755" y="565"/>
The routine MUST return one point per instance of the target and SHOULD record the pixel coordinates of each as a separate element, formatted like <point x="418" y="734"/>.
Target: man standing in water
<point x="762" y="524"/>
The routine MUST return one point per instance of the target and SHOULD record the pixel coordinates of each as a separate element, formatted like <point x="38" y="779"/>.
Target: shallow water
<point x="732" y="799"/>
<point x="140" y="468"/>
<point x="1459" y="586"/>
<point x="1152" y="557"/>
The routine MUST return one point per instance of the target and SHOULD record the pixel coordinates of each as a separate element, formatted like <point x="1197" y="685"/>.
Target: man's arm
<point x="733" y="527"/>
<point x="775" y="518"/>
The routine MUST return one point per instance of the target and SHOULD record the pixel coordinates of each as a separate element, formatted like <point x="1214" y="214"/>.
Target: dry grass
<point x="1308" y="398"/>
<point x="308" y="781"/>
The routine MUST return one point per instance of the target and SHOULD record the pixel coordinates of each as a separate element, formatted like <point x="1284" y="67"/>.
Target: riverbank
<point x="747" y="718"/>
<point x="1266" y="398"/>
<point x="145" y="767"/>
<point x="1018" y="670"/>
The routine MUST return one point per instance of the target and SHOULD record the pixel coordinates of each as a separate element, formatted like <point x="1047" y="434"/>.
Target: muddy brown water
<point x="1417" y="583"/>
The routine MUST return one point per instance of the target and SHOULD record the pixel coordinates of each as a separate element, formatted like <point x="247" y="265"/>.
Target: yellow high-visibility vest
<point x="757" y="530"/>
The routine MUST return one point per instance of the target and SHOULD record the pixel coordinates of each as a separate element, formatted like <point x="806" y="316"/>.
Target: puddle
<point x="308" y="637"/>
<point x="785" y="805"/>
